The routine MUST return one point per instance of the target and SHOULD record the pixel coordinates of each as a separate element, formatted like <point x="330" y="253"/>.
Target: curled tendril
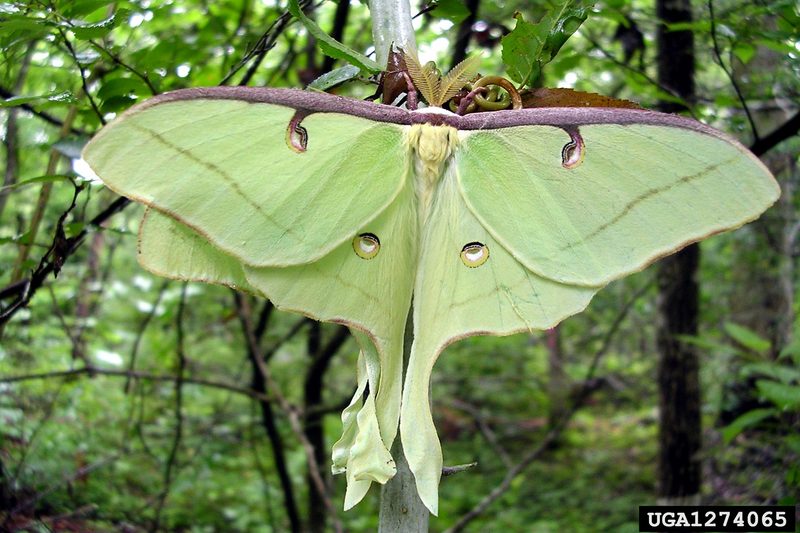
<point x="497" y="81"/>
<point x="494" y="99"/>
<point x="485" y="95"/>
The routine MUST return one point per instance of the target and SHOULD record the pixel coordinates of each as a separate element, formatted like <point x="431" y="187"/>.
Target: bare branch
<point x="558" y="428"/>
<point x="50" y="119"/>
<point x="94" y="371"/>
<point x="728" y="73"/>
<point x="785" y="131"/>
<point x="176" y="441"/>
<point x="26" y="289"/>
<point x="290" y="410"/>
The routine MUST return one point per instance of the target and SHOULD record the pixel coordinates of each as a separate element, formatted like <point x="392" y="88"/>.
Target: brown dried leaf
<point x="545" y="97"/>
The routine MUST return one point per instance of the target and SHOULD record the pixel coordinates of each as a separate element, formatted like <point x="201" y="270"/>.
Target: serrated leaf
<point x="746" y="337"/>
<point x="458" y="76"/>
<point x="330" y="46"/>
<point x="425" y="79"/>
<point x="531" y="46"/>
<point x="99" y="29"/>
<point x="784" y="396"/>
<point x="334" y="78"/>
<point x="521" y="50"/>
<point x="748" y="419"/>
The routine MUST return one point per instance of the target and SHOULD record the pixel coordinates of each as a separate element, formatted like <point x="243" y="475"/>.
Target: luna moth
<point x="355" y="212"/>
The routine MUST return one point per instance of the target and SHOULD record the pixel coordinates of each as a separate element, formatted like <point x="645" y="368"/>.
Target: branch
<point x="264" y="45"/>
<point x="294" y="419"/>
<point x="84" y="81"/>
<point x="728" y="73"/>
<point x="140" y="333"/>
<point x="555" y="432"/>
<point x="94" y="371"/>
<point x="26" y="289"/>
<point x="268" y="416"/>
<point x="50" y="119"/>
<point x="176" y="441"/>
<point x="786" y="130"/>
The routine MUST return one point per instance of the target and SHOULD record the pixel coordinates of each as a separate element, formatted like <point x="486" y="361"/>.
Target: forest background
<point x="132" y="403"/>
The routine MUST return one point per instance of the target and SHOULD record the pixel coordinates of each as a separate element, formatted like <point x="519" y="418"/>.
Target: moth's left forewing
<point x="645" y="185"/>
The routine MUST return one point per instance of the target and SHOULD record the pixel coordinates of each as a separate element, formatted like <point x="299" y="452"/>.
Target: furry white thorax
<point x="432" y="147"/>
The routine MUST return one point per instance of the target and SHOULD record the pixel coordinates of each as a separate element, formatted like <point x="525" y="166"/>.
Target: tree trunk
<point x="678" y="302"/>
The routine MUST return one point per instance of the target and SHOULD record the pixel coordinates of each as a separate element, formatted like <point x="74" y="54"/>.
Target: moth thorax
<point x="432" y="147"/>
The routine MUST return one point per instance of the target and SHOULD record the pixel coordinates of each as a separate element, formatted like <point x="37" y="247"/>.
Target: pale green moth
<point x="343" y="210"/>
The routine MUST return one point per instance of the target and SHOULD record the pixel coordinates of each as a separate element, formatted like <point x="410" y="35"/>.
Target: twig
<point x="608" y="55"/>
<point x="140" y="333"/>
<point x="786" y="130"/>
<point x="47" y="117"/>
<point x="176" y="441"/>
<point x="728" y="73"/>
<point x="290" y="410"/>
<point x="95" y="371"/>
<point x="270" y="427"/>
<point x="264" y="44"/>
<point x="556" y="430"/>
<point x="84" y="82"/>
<point x="27" y="288"/>
<point x="456" y="469"/>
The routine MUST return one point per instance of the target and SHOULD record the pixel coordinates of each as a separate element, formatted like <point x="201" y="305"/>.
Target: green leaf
<point x="59" y="97"/>
<point x="330" y="46"/>
<point x="116" y="104"/>
<point x="780" y="373"/>
<point x="531" y="46"/>
<point x="99" y="29"/>
<point x="521" y="51"/>
<point x="784" y="396"/>
<point x="31" y="26"/>
<point x="73" y="228"/>
<point x="792" y="351"/>
<point x="35" y="181"/>
<point x="707" y="343"/>
<point x="334" y="78"/>
<point x="744" y="51"/>
<point x="748" y="419"/>
<point x="81" y="8"/>
<point x="122" y="87"/>
<point x="747" y="338"/>
<point x="452" y="10"/>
